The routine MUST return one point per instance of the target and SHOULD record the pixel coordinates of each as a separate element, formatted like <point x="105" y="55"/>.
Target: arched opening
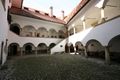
<point x="15" y="28"/>
<point x="61" y="34"/>
<point x="28" y="31"/>
<point x="114" y="48"/>
<point x="29" y="48"/>
<point x="95" y="49"/>
<point x="42" y="48"/>
<point x="42" y="32"/>
<point x="13" y="49"/>
<point x="66" y="48"/>
<point x="79" y="47"/>
<point x="52" y="33"/>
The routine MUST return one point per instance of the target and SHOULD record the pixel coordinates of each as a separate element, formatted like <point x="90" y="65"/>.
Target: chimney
<point x="62" y="17"/>
<point x="51" y="11"/>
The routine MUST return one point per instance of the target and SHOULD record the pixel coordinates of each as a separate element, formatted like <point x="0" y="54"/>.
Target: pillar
<point x="21" y="51"/>
<point x="36" y="51"/>
<point x="74" y="30"/>
<point x="75" y="50"/>
<point x="107" y="55"/>
<point x="102" y="15"/>
<point x="85" y="52"/>
<point x="73" y="25"/>
<point x="84" y="24"/>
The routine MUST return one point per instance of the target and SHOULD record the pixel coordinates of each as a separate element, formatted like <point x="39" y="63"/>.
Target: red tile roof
<point x="35" y="14"/>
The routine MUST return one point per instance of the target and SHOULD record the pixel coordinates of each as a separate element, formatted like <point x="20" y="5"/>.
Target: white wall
<point x="13" y="38"/>
<point x="3" y="26"/>
<point x="102" y="33"/>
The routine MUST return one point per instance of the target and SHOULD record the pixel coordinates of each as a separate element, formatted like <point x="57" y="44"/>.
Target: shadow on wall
<point x="114" y="48"/>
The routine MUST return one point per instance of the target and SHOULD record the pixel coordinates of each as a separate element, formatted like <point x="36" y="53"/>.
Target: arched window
<point x="42" y="32"/>
<point x="15" y="28"/>
<point x="61" y="34"/>
<point x="53" y="33"/>
<point x="28" y="30"/>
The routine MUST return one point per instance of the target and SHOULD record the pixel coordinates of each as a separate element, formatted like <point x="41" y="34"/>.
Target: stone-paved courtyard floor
<point x="57" y="67"/>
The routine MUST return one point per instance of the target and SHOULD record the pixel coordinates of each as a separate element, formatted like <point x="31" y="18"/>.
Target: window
<point x="3" y="2"/>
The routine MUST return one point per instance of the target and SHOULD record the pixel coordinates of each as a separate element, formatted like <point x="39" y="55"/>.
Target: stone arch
<point x="28" y="31"/>
<point x="79" y="47"/>
<point x="29" y="48"/>
<point x="114" y="48"/>
<point x="42" y="32"/>
<point x="61" y="34"/>
<point x="15" y="27"/>
<point x="95" y="49"/>
<point x="52" y="33"/>
<point x="42" y="48"/>
<point x="13" y="49"/>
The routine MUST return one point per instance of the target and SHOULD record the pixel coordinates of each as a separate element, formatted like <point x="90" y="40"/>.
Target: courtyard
<point x="58" y="67"/>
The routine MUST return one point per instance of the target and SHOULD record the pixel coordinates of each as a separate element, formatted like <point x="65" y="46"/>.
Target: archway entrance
<point x="29" y="48"/>
<point x="42" y="48"/>
<point x="13" y="49"/>
<point x="95" y="49"/>
<point x="114" y="49"/>
<point x="15" y="28"/>
<point x="79" y="47"/>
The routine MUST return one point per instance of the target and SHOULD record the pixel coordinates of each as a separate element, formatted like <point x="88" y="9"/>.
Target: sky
<point x="58" y="5"/>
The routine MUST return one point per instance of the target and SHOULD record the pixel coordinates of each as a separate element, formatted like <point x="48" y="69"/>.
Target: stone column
<point x="36" y="51"/>
<point x="75" y="50"/>
<point x="74" y="30"/>
<point x="85" y="52"/>
<point x="21" y="51"/>
<point x="20" y="32"/>
<point x="102" y="15"/>
<point x="69" y="49"/>
<point x="84" y="24"/>
<point x="73" y="26"/>
<point x="107" y="55"/>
